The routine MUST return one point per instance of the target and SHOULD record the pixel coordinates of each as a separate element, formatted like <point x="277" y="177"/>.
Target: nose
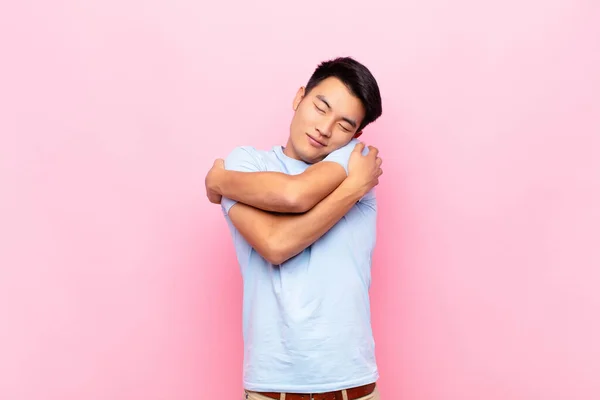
<point x="325" y="128"/>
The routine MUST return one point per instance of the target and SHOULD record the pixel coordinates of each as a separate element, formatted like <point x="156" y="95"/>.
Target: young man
<point x="303" y="221"/>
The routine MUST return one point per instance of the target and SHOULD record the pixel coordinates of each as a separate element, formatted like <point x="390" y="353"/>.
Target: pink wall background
<point x="118" y="279"/>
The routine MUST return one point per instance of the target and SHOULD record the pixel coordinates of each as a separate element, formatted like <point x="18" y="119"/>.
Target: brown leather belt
<point x="353" y="394"/>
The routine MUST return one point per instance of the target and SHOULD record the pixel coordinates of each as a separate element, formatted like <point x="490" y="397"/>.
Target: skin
<point x="277" y="238"/>
<point x="325" y="119"/>
<point x="328" y="113"/>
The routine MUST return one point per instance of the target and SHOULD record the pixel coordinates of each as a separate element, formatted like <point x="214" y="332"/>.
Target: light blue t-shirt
<point x="306" y="323"/>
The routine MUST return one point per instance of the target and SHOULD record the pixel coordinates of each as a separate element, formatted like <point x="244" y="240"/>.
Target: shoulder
<point x="246" y="158"/>
<point x="342" y="155"/>
<point x="242" y="152"/>
<point x="345" y="150"/>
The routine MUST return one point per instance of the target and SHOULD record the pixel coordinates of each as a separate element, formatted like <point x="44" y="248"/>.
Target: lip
<point x="315" y="142"/>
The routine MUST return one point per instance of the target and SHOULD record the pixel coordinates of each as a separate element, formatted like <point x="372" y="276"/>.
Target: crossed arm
<point x="279" y="192"/>
<point x="278" y="238"/>
<point x="313" y="202"/>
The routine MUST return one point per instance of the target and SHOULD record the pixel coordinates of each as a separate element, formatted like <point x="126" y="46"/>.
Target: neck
<point x="289" y="150"/>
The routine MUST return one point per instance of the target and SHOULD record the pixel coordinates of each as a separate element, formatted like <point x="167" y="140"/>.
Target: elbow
<point x="296" y="204"/>
<point x="296" y="201"/>
<point x="275" y="253"/>
<point x="276" y="259"/>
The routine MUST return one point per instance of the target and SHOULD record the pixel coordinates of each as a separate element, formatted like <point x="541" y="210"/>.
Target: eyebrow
<point x="348" y="120"/>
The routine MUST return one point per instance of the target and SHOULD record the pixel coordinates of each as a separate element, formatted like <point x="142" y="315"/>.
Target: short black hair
<point x="359" y="81"/>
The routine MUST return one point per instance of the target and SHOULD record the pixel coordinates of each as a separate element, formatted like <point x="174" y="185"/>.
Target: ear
<point x="357" y="134"/>
<point x="298" y="98"/>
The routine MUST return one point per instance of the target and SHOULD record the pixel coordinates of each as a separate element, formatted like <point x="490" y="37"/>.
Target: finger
<point x="379" y="161"/>
<point x="379" y="172"/>
<point x="373" y="151"/>
<point x="359" y="147"/>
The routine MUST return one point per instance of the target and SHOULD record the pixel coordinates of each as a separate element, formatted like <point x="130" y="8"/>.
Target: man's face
<point x="325" y="119"/>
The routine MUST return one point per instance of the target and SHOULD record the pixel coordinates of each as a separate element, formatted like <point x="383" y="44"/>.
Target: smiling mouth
<point x="315" y="141"/>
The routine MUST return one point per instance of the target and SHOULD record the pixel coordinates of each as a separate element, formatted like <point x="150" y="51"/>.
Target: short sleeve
<point x="242" y="159"/>
<point x="342" y="155"/>
<point x="370" y="200"/>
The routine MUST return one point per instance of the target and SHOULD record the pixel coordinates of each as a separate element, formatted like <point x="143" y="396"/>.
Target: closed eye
<point x="319" y="109"/>
<point x="344" y="128"/>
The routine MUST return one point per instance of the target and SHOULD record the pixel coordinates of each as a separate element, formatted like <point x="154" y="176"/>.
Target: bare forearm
<point x="279" y="192"/>
<point x="292" y="234"/>
<point x="269" y="191"/>
<point x="280" y="237"/>
<point x="296" y="233"/>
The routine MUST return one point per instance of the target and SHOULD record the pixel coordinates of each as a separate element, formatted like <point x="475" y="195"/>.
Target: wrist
<point x="353" y="189"/>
